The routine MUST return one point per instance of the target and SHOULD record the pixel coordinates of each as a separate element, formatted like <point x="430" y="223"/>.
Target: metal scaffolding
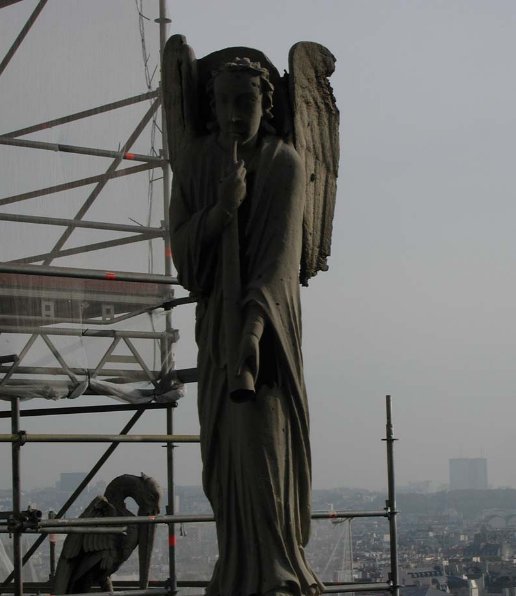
<point x="50" y="308"/>
<point x="18" y="522"/>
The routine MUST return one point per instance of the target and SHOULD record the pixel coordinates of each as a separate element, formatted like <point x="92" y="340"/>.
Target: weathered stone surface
<point x="241" y="138"/>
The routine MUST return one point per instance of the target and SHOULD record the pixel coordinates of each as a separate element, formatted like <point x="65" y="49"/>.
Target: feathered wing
<point x="83" y="551"/>
<point x="316" y="138"/>
<point x="179" y="89"/>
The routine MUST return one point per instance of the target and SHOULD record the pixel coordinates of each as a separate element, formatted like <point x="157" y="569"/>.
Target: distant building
<point x="417" y="581"/>
<point x="69" y="481"/>
<point x="468" y="473"/>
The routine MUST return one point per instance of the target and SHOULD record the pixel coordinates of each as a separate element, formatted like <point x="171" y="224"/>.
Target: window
<point x="48" y="309"/>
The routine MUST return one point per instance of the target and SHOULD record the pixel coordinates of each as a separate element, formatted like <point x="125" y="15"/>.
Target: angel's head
<point x="241" y="99"/>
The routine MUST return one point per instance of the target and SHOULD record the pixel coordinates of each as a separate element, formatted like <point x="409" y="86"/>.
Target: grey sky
<point x="420" y="298"/>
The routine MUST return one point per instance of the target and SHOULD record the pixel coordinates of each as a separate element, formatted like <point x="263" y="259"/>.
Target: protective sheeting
<point x="64" y="337"/>
<point x="29" y="573"/>
<point x="84" y="187"/>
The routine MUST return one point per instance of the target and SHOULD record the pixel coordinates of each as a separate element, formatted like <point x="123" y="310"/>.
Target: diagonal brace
<point x="98" y="188"/>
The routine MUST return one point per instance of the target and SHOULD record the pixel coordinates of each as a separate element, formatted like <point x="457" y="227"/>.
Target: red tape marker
<point x="128" y="155"/>
<point x="172" y="540"/>
<point x="110" y="275"/>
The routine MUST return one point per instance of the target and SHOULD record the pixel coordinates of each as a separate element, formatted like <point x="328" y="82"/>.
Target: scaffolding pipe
<point x="49" y="190"/>
<point x="114" y="105"/>
<point x="373" y="587"/>
<point x="84" y="410"/>
<point x="167" y="355"/>
<point x="70" y="331"/>
<point x="107" y="175"/>
<point x="187" y="375"/>
<point x="148" y="592"/>
<point x="171" y="504"/>
<point x="22" y="437"/>
<point x="21" y="36"/>
<point x="43" y="589"/>
<point x="330" y="589"/>
<point x="17" y="535"/>
<point x="133" y="375"/>
<point x="84" y="248"/>
<point x="78" y="273"/>
<point x="62" y="148"/>
<point x="348" y="514"/>
<point x="95" y="225"/>
<point x="4" y="3"/>
<point x="52" y="540"/>
<point x="112" y="530"/>
<point x="391" y="499"/>
<point x="180" y="519"/>
<point x="83" y="484"/>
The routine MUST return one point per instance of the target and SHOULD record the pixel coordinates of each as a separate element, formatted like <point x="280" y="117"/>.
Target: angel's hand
<point x="249" y="354"/>
<point x="232" y="187"/>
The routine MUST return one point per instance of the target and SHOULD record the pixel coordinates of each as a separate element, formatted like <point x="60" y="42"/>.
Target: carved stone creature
<point x="254" y="157"/>
<point x="90" y="559"/>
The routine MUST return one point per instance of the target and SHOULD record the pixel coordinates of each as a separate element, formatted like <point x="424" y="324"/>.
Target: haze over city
<point x="420" y="298"/>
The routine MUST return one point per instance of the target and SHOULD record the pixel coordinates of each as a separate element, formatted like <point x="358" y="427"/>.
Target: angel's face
<point x="238" y="106"/>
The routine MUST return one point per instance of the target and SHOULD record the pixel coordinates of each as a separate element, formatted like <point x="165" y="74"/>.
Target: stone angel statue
<point x="254" y="157"/>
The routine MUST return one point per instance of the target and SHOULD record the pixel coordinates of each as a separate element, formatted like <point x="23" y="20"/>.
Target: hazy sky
<point x="420" y="298"/>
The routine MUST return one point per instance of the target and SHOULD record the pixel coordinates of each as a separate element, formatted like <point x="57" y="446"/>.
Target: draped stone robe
<point x="256" y="455"/>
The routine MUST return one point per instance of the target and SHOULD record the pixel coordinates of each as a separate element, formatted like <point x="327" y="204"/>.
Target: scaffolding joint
<point x="24" y="520"/>
<point x="21" y="438"/>
<point x="394" y="587"/>
<point x="171" y="586"/>
<point x="390" y="513"/>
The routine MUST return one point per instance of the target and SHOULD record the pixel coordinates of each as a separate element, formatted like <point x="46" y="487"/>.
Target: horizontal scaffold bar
<point x="87" y="273"/>
<point x="95" y="225"/>
<point x="50" y="190"/>
<point x="53" y="438"/>
<point x="114" y="105"/>
<point x="186" y="375"/>
<point x="372" y="587"/>
<point x="36" y="412"/>
<point x="113" y="530"/>
<point x="70" y="331"/>
<point x="93" y="151"/>
<point x="130" y="375"/>
<point x="41" y="588"/>
<point x="148" y="592"/>
<point x="183" y="519"/>
<point x="83" y="248"/>
<point x="353" y="514"/>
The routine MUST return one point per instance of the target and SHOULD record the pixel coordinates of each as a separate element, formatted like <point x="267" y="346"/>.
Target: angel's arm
<point x="185" y="223"/>
<point x="231" y="192"/>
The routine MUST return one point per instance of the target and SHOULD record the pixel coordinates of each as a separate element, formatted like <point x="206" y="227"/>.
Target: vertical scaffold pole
<point x="391" y="500"/>
<point x="163" y="33"/>
<point x="17" y="535"/>
<point x="167" y="352"/>
<point x="171" y="503"/>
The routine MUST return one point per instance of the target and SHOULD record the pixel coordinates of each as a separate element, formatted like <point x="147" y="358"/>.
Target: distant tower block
<point x="468" y="473"/>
